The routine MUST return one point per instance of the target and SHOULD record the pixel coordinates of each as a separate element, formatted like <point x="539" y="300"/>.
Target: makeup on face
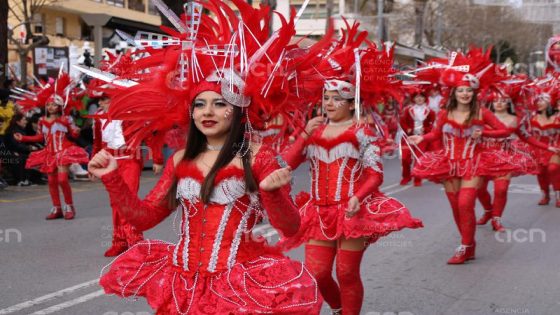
<point x="212" y="114"/>
<point x="335" y="107"/>
<point x="464" y="94"/>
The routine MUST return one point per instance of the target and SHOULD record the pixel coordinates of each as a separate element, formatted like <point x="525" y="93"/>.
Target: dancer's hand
<point x="18" y="136"/>
<point x="477" y="133"/>
<point x="312" y="125"/>
<point x="157" y="168"/>
<point x="353" y="207"/>
<point x="415" y="139"/>
<point x="102" y="163"/>
<point x="276" y="179"/>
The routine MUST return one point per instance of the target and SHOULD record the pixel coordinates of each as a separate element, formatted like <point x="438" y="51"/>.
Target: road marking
<point x="398" y="190"/>
<point x="385" y="188"/>
<point x="48" y="297"/>
<point x="76" y="301"/>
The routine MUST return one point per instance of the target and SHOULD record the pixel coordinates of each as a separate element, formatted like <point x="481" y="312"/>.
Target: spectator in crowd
<point x="7" y="110"/>
<point x="18" y="151"/>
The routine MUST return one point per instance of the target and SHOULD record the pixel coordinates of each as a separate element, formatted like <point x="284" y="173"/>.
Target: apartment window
<point x="137" y="5"/>
<point x="59" y="26"/>
<point x="38" y="23"/>
<point x="116" y="3"/>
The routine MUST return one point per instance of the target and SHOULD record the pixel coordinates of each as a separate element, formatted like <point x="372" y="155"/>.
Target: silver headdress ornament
<point x="232" y="87"/>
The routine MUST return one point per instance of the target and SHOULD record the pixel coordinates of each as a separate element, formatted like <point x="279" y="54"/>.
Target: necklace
<point x="214" y="147"/>
<point x="341" y="123"/>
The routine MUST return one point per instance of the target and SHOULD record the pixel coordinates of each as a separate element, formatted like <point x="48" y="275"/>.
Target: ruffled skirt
<point x="378" y="216"/>
<point x="47" y="162"/>
<point x="516" y="161"/>
<point x="436" y="166"/>
<point x="266" y="284"/>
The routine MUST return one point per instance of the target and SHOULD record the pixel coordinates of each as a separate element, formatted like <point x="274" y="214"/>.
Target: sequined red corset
<point x="214" y="236"/>
<point x="340" y="166"/>
<point x="457" y="138"/>
<point x="55" y="133"/>
<point x="549" y="133"/>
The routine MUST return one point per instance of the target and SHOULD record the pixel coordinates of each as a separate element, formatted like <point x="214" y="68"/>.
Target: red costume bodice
<point x="217" y="235"/>
<point x="457" y="138"/>
<point x="518" y="129"/>
<point x="548" y="133"/>
<point x="342" y="167"/>
<point x="55" y="133"/>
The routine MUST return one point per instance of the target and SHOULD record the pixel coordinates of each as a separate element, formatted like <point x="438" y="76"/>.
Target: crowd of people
<point x="238" y="133"/>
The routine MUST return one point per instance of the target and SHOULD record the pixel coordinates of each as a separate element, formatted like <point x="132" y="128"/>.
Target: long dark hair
<point x="196" y="144"/>
<point x="473" y="106"/>
<point x="13" y="122"/>
<point x="549" y="111"/>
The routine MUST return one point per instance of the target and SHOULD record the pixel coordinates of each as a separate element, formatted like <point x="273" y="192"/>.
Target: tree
<point x="24" y="11"/>
<point x="419" y="8"/>
<point x="461" y="23"/>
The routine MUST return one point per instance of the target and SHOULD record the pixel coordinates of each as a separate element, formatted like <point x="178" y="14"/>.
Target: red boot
<point x="463" y="253"/>
<point x="497" y="224"/>
<point x="116" y="249"/>
<point x="545" y="200"/>
<point x="417" y="182"/>
<point x="405" y="181"/>
<point x="485" y="218"/>
<point x="56" y="213"/>
<point x="69" y="212"/>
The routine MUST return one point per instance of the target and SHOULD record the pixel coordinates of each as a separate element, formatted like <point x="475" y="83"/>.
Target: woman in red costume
<point x="220" y="184"/>
<point x="345" y="211"/>
<point x="416" y="119"/>
<point x="460" y="127"/>
<point x="505" y="157"/>
<point x="545" y="127"/>
<point x="56" y="130"/>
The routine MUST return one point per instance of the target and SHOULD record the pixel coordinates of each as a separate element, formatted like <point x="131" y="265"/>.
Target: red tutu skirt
<point x="47" y="162"/>
<point x="436" y="166"/>
<point x="378" y="216"/>
<point x="517" y="160"/>
<point x="542" y="156"/>
<point x="266" y="284"/>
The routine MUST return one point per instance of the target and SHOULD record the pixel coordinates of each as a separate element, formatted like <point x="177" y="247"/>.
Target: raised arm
<point x="147" y="213"/>
<point x="282" y="212"/>
<point x="499" y="130"/>
<point x="370" y="154"/>
<point x="436" y="132"/>
<point x="523" y="133"/>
